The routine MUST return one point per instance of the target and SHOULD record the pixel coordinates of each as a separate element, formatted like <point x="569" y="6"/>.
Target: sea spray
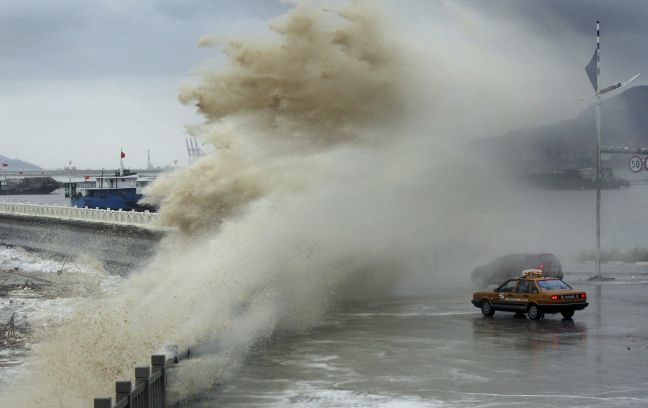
<point x="250" y="261"/>
<point x="325" y="81"/>
<point x="316" y="192"/>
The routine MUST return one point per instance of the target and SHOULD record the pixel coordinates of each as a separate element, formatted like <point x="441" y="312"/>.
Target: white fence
<point x="134" y="218"/>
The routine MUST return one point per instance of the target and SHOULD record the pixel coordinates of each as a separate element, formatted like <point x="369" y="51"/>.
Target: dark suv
<point x="511" y="266"/>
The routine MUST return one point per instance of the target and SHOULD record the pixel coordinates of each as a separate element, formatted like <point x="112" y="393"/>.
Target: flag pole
<point x="121" y="161"/>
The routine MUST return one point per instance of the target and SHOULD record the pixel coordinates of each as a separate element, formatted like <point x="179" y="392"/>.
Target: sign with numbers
<point x="635" y="164"/>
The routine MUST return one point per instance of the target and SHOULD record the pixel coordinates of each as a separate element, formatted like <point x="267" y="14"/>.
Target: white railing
<point x="135" y="218"/>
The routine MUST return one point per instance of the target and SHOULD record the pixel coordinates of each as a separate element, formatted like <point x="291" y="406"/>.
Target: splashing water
<point x="275" y="105"/>
<point x="315" y="192"/>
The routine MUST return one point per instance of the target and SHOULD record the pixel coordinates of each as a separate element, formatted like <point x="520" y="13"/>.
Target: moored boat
<point x="27" y="185"/>
<point x="119" y="191"/>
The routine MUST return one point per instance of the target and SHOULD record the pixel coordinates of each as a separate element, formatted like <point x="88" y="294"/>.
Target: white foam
<point x="11" y="258"/>
<point x="36" y="309"/>
<point x="311" y="395"/>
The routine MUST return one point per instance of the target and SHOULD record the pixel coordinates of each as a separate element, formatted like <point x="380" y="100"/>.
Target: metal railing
<point x="8" y="331"/>
<point x="135" y="218"/>
<point x="149" y="390"/>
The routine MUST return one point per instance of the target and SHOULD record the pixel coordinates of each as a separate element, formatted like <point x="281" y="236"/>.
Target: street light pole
<point x="598" y="153"/>
<point x="593" y="71"/>
<point x="598" y="188"/>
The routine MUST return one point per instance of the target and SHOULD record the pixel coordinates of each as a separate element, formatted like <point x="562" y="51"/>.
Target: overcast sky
<point x="81" y="79"/>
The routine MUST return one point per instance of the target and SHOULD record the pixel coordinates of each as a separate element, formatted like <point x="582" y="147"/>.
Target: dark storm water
<point x="57" y="197"/>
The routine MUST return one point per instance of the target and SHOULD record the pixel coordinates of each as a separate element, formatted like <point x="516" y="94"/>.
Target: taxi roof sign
<point x="532" y="273"/>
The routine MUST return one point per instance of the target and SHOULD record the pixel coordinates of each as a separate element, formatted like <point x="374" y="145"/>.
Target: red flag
<point x="123" y="155"/>
<point x="86" y="177"/>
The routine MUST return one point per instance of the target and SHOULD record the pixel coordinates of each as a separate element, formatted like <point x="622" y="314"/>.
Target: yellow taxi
<point x="534" y="294"/>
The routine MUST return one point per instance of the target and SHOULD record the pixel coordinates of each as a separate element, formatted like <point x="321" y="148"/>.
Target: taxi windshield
<point x="553" y="284"/>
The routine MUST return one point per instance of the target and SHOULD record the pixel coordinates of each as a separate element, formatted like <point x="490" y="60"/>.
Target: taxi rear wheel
<point x="534" y="312"/>
<point x="487" y="308"/>
<point x="567" y="314"/>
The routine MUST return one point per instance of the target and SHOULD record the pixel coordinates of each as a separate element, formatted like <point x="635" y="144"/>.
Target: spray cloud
<point x="319" y="189"/>
<point x="319" y="85"/>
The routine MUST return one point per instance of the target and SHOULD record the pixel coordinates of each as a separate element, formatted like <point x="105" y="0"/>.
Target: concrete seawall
<point x="120" y="248"/>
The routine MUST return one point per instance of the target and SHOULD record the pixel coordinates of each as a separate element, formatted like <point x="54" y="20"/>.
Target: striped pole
<point x="598" y="152"/>
<point x="598" y="54"/>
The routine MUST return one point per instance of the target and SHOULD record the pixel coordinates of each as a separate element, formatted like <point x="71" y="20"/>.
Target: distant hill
<point x="17" y="165"/>
<point x="572" y="143"/>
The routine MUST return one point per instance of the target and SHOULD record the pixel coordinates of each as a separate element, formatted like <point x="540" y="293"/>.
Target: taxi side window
<point x="508" y="286"/>
<point x="523" y="287"/>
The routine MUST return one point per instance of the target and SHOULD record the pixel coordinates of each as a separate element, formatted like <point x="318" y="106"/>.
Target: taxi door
<point x="505" y="299"/>
<point x="534" y="292"/>
<point x="521" y="295"/>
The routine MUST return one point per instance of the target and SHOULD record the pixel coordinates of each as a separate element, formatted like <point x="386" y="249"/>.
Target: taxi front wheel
<point x="535" y="313"/>
<point x="487" y="308"/>
<point x="567" y="314"/>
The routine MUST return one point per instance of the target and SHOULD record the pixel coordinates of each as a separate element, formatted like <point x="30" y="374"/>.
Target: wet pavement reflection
<point x="438" y="352"/>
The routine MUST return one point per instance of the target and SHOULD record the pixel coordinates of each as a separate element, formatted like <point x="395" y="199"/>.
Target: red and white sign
<point x="635" y="164"/>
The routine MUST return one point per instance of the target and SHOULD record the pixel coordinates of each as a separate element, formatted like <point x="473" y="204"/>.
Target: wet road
<point x="440" y="352"/>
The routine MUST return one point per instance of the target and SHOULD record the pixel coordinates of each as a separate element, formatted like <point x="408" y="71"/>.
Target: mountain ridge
<point x="17" y="165"/>
<point x="571" y="143"/>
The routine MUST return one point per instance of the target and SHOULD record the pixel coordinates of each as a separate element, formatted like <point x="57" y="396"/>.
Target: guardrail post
<point x="142" y="375"/>
<point x="103" y="402"/>
<point x="174" y="350"/>
<point x="158" y="362"/>
<point x="123" y="390"/>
